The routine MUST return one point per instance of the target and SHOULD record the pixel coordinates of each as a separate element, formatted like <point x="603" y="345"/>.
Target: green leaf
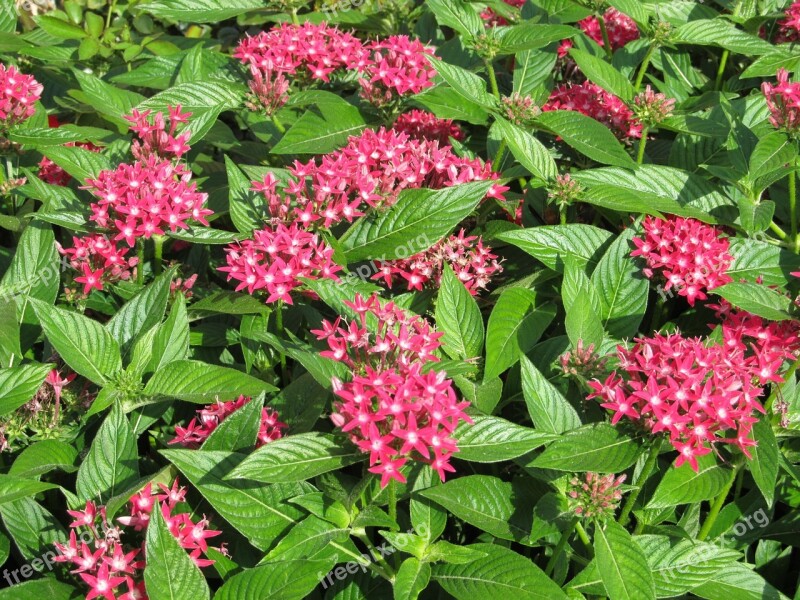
<point x="199" y="11"/>
<point x="764" y="464"/>
<point x="275" y="580"/>
<point x="515" y="324"/>
<point x="772" y="152"/>
<point x="33" y="528"/>
<point x="529" y="36"/>
<point x="112" y="462"/>
<point x="622" y="564"/>
<point x="205" y="235"/>
<point x="38" y="589"/>
<point x="230" y="303"/>
<point x="60" y="28"/>
<point x="239" y="430"/>
<point x="603" y="74"/>
<point x="34" y="269"/>
<point x="529" y="151"/>
<point x="15" y="488"/>
<point x="682" y="485"/>
<point x="754" y="259"/>
<point x="39" y="137"/>
<point x="296" y="458"/>
<point x="196" y="381"/>
<point x="427" y="518"/>
<point x="532" y="69"/>
<point x="141" y="313"/>
<point x="170" y="574"/>
<point x="412" y="577"/>
<point x="458" y="16"/>
<point x="492" y="439"/>
<point x="465" y="83"/>
<point x="489" y="503"/>
<point x="42" y="457"/>
<point x="621" y="288"/>
<point x="447" y="103"/>
<point x="322" y="129"/>
<point x="757" y="299"/>
<point x="589" y="137"/>
<point x="553" y="244"/>
<point x="171" y="341"/>
<point x="598" y="447"/>
<point x="110" y="101"/>
<point x="79" y="162"/>
<point x="501" y="574"/>
<point x="85" y="345"/>
<point x="259" y="512"/>
<point x="19" y="384"/>
<point x="458" y="316"/>
<point x="737" y="581"/>
<point x="419" y="219"/>
<point x="583" y="323"/>
<point x="246" y="208"/>
<point x="548" y="408"/>
<point x="307" y="538"/>
<point x="720" y="33"/>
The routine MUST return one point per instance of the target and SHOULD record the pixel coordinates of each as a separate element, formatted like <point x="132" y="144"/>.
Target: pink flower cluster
<point x="696" y="392"/>
<point x="18" y="96"/>
<point x="421" y="125"/>
<point x="472" y="262"/>
<point x="789" y="26"/>
<point x="154" y="138"/>
<point x="276" y="260"/>
<point x="783" y="101"/>
<point x="371" y="170"/>
<point x="391" y="408"/>
<point x="209" y="418"/>
<point x="620" y="27"/>
<point x="109" y="566"/>
<point x="390" y="67"/>
<point x="593" y="101"/>
<point x="99" y="260"/>
<point x="691" y="256"/>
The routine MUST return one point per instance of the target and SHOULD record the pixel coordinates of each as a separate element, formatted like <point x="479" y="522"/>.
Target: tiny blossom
<point x="421" y="125"/>
<point x="154" y="138"/>
<point x="691" y="256"/>
<point x="620" y="27"/>
<point x="18" y="96"/>
<point x="595" y="496"/>
<point x="520" y="110"/>
<point x="593" y="101"/>
<point x="114" y="570"/>
<point x="652" y="108"/>
<point x="583" y="361"/>
<point x="276" y="260"/>
<point x="565" y="190"/>
<point x="391" y="409"/>
<point x="183" y="286"/>
<point x="95" y="253"/>
<point x="397" y="66"/>
<point x="268" y="91"/>
<point x="699" y="393"/>
<point x="471" y="261"/>
<point x="208" y="418"/>
<point x="783" y="101"/>
<point x="369" y="171"/>
<point x="789" y="26"/>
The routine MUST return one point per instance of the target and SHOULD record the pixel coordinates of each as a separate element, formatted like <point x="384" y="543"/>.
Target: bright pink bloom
<point x="54" y="379"/>
<point x="620" y="27"/>
<point x="789" y="26"/>
<point x="154" y="138"/>
<point x="397" y="66"/>
<point x="473" y="263"/>
<point x="97" y="252"/>
<point x="389" y="407"/>
<point x="691" y="256"/>
<point x="593" y="101"/>
<point x="421" y="125"/>
<point x="18" y="96"/>
<point x="102" y="583"/>
<point x="783" y="101"/>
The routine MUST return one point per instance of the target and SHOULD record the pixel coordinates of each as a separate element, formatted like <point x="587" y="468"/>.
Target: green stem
<point x="279" y="327"/>
<point x="278" y="125"/>
<point x="560" y="546"/>
<point x="392" y="501"/>
<point x="376" y="554"/>
<point x="158" y="240"/>
<point x="643" y="67"/>
<point x="723" y="61"/>
<point x="717" y="505"/>
<point x="639" y="482"/>
<point x="606" y="41"/>
<point x="642" y="144"/>
<point x="492" y="78"/>
<point x="110" y="12"/>
<point x="140" y="264"/>
<point x="295" y="20"/>
<point x="777" y="230"/>
<point x="793" y="216"/>
<point x="562" y="214"/>
<point x="587" y="544"/>
<point x="388" y="576"/>
<point x="498" y="157"/>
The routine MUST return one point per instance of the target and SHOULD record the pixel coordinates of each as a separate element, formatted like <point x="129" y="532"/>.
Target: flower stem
<point x="376" y="554"/>
<point x="158" y="240"/>
<point x="498" y="157"/>
<point x="719" y="502"/>
<point x="278" y="125"/>
<point x="638" y="484"/>
<point x="642" y="144"/>
<point x="643" y="67"/>
<point x="387" y="575"/>
<point x="585" y="540"/>
<point x="793" y="216"/>
<point x="279" y="327"/>
<point x="492" y="78"/>
<point x="562" y="213"/>
<point x="110" y="12"/>
<point x="140" y="264"/>
<point x="295" y="20"/>
<point x="604" y="31"/>
<point x="723" y="61"/>
<point x="560" y="546"/>
<point x="392" y="501"/>
<point x="777" y="230"/>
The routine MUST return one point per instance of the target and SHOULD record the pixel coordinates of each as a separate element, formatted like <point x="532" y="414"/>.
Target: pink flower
<point x="18" y="96"/>
<point x="102" y="583"/>
<point x="421" y="125"/>
<point x="620" y="27"/>
<point x="154" y="138"/>
<point x="389" y="407"/>
<point x="397" y="66"/>
<point x="783" y="101"/>
<point x="789" y="26"/>
<point x="97" y="255"/>
<point x="593" y="101"/>
<point x="692" y="257"/>
<point x="472" y="262"/>
<point x="277" y="259"/>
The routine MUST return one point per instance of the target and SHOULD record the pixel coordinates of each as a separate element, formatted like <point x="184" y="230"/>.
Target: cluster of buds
<point x="583" y="362"/>
<point x="789" y="26"/>
<point x="154" y="137"/>
<point x="209" y="418"/>
<point x="520" y="110"/>
<point x="564" y="191"/>
<point x="595" y="496"/>
<point x="783" y="101"/>
<point x="652" y="108"/>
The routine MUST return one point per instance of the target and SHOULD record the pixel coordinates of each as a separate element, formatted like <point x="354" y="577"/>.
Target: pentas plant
<point x="411" y="300"/>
